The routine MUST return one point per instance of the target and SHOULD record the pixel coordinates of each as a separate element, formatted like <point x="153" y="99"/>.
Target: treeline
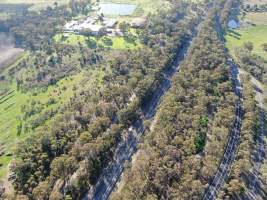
<point x="180" y="152"/>
<point x="238" y="180"/>
<point x="85" y="133"/>
<point x="254" y="7"/>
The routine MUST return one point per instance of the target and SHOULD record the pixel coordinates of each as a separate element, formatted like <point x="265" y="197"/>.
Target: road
<point x="127" y="147"/>
<point x="228" y="158"/>
<point x="254" y="190"/>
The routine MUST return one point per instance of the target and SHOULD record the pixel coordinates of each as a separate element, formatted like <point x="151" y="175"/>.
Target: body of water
<point x="116" y="8"/>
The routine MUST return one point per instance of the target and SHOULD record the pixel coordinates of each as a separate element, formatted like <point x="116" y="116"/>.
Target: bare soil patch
<point x="8" y="55"/>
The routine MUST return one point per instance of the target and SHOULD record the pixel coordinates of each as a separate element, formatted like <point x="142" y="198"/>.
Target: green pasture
<point x="10" y="111"/>
<point x="255" y="34"/>
<point x="115" y="42"/>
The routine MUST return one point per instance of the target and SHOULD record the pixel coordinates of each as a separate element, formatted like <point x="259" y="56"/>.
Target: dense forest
<point x="182" y="150"/>
<point x="85" y="132"/>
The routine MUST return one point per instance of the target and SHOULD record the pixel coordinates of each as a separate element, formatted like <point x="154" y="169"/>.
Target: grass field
<point x="92" y="42"/>
<point x="37" y="4"/>
<point x="257" y="35"/>
<point x="10" y="111"/>
<point x="253" y="29"/>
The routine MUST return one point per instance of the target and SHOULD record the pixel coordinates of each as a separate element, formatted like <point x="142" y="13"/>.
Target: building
<point x="92" y="26"/>
<point x="110" y="23"/>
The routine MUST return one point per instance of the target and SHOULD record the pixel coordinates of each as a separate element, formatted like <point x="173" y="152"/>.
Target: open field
<point x="256" y="35"/>
<point x="10" y="111"/>
<point x="254" y="29"/>
<point x="92" y="42"/>
<point x="37" y="4"/>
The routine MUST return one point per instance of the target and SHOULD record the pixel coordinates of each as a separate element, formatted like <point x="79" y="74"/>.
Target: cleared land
<point x="37" y="4"/>
<point x="256" y="35"/>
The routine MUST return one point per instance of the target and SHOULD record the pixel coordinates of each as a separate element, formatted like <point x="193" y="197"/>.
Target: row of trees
<point x="86" y="131"/>
<point x="180" y="152"/>
<point x="236" y="186"/>
<point x="254" y="7"/>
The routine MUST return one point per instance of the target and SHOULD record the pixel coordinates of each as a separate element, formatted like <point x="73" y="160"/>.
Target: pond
<point x="116" y="8"/>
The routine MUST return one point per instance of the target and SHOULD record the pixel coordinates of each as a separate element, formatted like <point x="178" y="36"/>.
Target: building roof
<point x="110" y="23"/>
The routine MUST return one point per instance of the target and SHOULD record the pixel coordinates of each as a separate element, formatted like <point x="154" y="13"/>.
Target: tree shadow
<point x="234" y="34"/>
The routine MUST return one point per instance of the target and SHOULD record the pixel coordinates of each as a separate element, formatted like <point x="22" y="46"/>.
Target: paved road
<point x="254" y="190"/>
<point x="127" y="148"/>
<point x="232" y="145"/>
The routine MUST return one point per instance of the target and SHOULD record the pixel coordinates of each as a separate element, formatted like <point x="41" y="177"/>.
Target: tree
<point x="63" y="166"/>
<point x="264" y="46"/>
<point x="248" y="46"/>
<point x="41" y="191"/>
